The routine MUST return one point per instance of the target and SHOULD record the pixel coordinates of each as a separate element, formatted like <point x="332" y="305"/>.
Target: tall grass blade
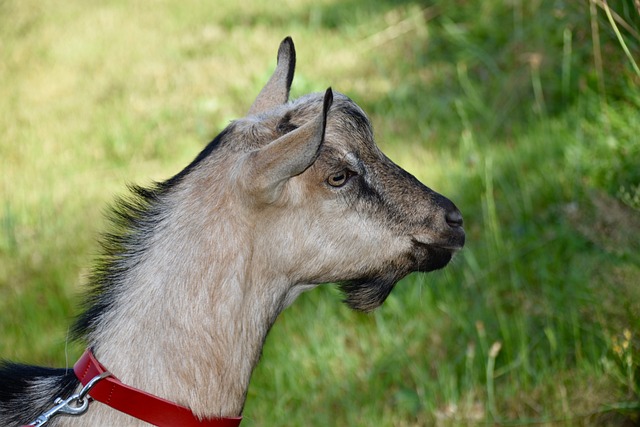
<point x="623" y="45"/>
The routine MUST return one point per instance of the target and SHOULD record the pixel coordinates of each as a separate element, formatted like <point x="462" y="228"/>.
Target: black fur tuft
<point x="132" y="220"/>
<point x="367" y="294"/>
<point x="28" y="391"/>
<point x="285" y="125"/>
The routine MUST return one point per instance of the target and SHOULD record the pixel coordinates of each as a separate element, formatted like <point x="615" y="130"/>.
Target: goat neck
<point x="190" y="320"/>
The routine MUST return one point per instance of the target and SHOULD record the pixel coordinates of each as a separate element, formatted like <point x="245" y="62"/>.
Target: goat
<point x="197" y="268"/>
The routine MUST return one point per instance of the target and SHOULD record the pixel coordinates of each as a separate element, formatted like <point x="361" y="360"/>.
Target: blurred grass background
<point x="525" y="113"/>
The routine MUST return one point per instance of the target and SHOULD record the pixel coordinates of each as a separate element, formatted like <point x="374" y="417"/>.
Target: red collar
<point x="137" y="403"/>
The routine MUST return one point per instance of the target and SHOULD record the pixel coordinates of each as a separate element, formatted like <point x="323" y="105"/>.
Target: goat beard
<point x="367" y="294"/>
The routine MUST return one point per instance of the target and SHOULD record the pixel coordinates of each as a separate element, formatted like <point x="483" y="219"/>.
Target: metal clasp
<point x="75" y="405"/>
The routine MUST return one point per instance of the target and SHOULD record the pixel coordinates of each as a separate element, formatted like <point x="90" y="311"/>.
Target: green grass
<point x="508" y="108"/>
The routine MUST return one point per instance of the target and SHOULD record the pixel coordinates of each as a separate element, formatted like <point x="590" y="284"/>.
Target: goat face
<point x="328" y="204"/>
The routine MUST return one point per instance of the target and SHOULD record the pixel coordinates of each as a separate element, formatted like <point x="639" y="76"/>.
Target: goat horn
<point x="276" y="91"/>
<point x="290" y="155"/>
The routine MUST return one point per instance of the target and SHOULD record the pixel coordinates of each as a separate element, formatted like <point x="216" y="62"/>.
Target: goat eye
<point x="339" y="179"/>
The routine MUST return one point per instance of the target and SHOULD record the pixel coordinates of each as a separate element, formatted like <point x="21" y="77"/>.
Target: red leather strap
<point x="137" y="403"/>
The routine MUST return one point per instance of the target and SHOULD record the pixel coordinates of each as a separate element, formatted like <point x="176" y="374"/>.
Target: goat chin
<point x="429" y="257"/>
<point x="368" y="293"/>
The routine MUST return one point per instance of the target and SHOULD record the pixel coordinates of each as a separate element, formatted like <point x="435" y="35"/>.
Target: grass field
<point x="525" y="113"/>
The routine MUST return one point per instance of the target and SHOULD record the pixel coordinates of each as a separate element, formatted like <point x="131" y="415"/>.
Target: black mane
<point x="133" y="218"/>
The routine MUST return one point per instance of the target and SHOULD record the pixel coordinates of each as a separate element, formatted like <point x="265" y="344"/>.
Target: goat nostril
<point x="454" y="218"/>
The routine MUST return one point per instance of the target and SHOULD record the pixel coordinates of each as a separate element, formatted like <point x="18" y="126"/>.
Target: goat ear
<point x="276" y="91"/>
<point x="272" y="165"/>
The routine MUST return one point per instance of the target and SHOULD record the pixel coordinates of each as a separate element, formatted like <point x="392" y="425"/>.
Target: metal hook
<point x="76" y="405"/>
